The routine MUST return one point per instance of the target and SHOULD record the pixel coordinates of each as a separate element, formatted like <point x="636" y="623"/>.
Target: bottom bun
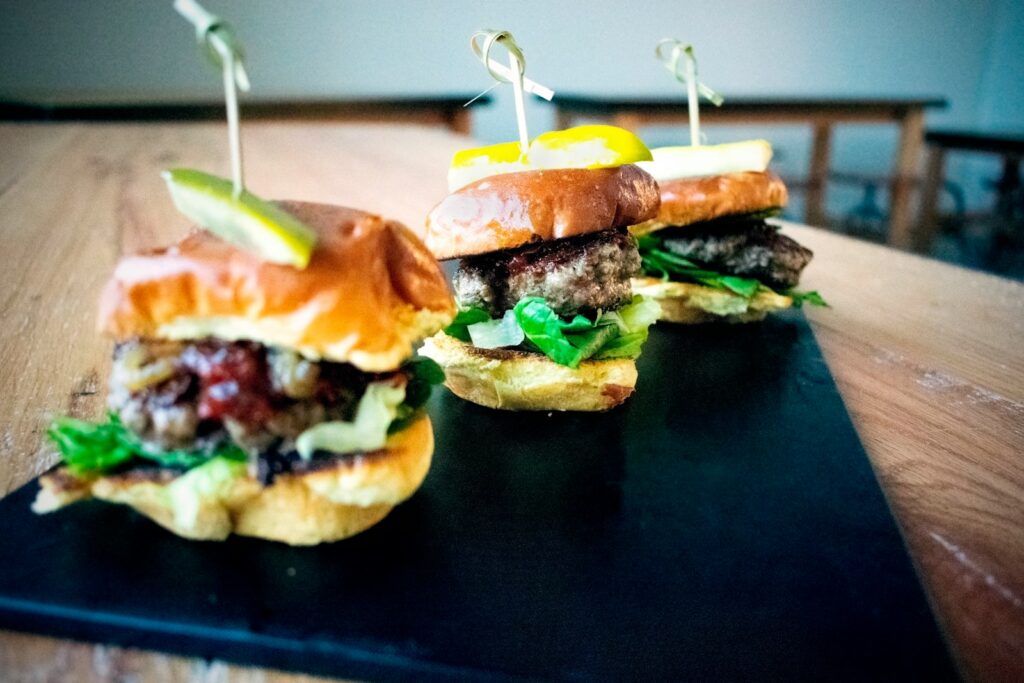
<point x="688" y="303"/>
<point x="335" y="499"/>
<point x="521" y="380"/>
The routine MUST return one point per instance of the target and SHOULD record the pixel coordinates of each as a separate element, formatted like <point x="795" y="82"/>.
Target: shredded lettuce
<point x="634" y="322"/>
<point x="459" y="327"/>
<point x="641" y="313"/>
<point x="659" y="262"/>
<point x="368" y="430"/>
<point x="494" y="334"/>
<point x="213" y="480"/>
<point x="87" y="447"/>
<point x="383" y="410"/>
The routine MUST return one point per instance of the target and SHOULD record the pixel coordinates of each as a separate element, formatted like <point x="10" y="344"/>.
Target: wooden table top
<point x="929" y="357"/>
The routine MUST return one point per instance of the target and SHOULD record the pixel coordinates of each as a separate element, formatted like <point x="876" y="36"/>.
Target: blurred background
<point x="962" y="61"/>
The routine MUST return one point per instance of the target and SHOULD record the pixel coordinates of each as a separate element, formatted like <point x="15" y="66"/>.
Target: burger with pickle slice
<point x="710" y="254"/>
<point x="276" y="400"/>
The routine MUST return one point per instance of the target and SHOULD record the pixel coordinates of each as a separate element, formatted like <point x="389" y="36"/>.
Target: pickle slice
<point x="671" y="163"/>
<point x="248" y="222"/>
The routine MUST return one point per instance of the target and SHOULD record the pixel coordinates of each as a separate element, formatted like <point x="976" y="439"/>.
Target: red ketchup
<point x="233" y="382"/>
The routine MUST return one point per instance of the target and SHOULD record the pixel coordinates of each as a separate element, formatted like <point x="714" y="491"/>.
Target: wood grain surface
<point x="929" y="358"/>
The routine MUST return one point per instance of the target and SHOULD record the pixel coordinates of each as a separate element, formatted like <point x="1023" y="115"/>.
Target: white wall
<point x="968" y="51"/>
<point x="1001" y="99"/>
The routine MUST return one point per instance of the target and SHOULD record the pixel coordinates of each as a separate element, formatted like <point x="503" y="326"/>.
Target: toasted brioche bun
<point x="685" y="302"/>
<point x="519" y="380"/>
<point x="512" y="209"/>
<point x="370" y="291"/>
<point x="694" y="200"/>
<point x="328" y="503"/>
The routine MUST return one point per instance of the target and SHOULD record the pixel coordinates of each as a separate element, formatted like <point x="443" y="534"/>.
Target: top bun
<point x="370" y="290"/>
<point x="509" y="210"/>
<point x="694" y="200"/>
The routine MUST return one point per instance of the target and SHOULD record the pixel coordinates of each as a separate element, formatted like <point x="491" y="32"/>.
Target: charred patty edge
<point x="579" y="274"/>
<point x="749" y="248"/>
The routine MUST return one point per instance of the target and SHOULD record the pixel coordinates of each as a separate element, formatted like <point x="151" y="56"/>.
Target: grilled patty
<point x="575" y="275"/>
<point x="183" y="395"/>
<point x="746" y="249"/>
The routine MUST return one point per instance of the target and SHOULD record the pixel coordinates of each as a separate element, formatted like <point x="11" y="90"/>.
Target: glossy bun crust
<point x="371" y="289"/>
<point x="328" y="503"/>
<point x="509" y="379"/>
<point x="512" y="209"/>
<point x="694" y="200"/>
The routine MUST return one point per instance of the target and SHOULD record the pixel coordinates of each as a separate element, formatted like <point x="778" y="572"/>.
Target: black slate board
<point x="725" y="523"/>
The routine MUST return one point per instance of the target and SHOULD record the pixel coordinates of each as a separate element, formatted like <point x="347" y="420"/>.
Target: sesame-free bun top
<point x="370" y="290"/>
<point x="694" y="200"/>
<point x="512" y="209"/>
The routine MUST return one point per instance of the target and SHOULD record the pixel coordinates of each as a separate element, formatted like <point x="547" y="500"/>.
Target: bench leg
<point x="627" y="120"/>
<point x="821" y="151"/>
<point x="563" y="119"/>
<point x="928" y="225"/>
<point x="460" y="121"/>
<point x="907" y="159"/>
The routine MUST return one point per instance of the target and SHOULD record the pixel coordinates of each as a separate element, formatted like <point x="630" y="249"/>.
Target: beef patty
<point x="575" y="274"/>
<point x="746" y="249"/>
<point x="185" y="395"/>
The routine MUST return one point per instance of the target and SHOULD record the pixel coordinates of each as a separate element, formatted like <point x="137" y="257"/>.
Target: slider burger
<point x="710" y="255"/>
<point x="547" y="318"/>
<point x="265" y="390"/>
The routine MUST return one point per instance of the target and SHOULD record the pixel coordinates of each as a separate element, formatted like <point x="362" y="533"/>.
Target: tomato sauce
<point x="234" y="381"/>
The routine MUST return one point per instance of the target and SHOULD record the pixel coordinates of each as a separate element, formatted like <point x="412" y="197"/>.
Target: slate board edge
<point x="246" y="649"/>
<point x="940" y="622"/>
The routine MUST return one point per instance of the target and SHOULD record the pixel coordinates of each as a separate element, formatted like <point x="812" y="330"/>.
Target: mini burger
<point x="547" y="320"/>
<point x="710" y="254"/>
<point x="275" y="400"/>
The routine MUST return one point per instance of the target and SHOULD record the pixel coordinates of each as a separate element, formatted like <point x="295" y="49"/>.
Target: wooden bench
<point x="448" y="111"/>
<point x="1009" y="146"/>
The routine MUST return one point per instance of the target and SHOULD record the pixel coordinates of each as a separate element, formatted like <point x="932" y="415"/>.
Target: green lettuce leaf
<point x="459" y="327"/>
<point x="659" y="262"/>
<point x="87" y="447"/>
<point x="615" y="334"/>
<point x="801" y="298"/>
<point x="424" y="374"/>
<point x="565" y="342"/>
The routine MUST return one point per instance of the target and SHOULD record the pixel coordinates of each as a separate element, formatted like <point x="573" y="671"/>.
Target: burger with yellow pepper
<point x="547" y="320"/>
